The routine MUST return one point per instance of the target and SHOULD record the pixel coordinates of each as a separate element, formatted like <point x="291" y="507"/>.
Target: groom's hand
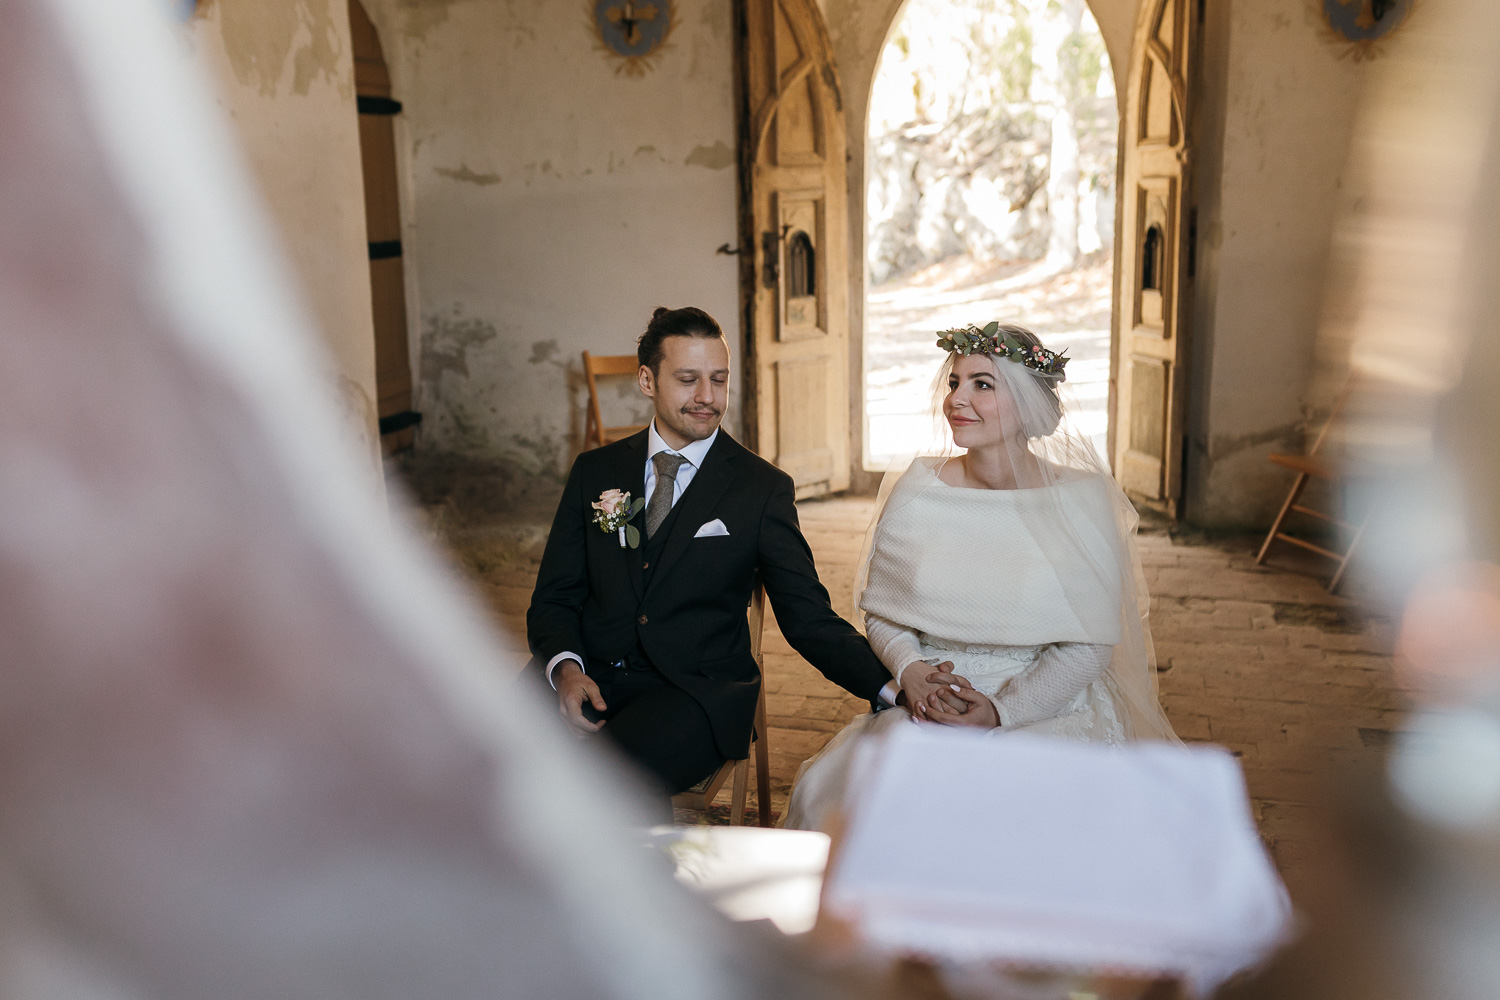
<point x="573" y="687"/>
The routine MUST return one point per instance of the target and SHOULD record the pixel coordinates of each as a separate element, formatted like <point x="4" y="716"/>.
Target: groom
<point x="650" y="644"/>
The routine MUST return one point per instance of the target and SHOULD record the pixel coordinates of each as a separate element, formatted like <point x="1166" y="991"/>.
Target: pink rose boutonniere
<point x="613" y="512"/>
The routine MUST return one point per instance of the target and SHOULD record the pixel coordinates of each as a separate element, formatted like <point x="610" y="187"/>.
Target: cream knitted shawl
<point x="998" y="567"/>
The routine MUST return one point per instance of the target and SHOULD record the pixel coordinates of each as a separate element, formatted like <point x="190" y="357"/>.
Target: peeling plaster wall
<point x="858" y="30"/>
<point x="286" y="77"/>
<point x="553" y="203"/>
<point x="1273" y="141"/>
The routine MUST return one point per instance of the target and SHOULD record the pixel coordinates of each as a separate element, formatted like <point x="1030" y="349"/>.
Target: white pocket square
<point x="711" y="529"/>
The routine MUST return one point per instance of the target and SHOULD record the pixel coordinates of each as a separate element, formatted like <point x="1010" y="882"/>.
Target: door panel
<point x="377" y="147"/>
<point x="1150" y="363"/>
<point x="796" y="225"/>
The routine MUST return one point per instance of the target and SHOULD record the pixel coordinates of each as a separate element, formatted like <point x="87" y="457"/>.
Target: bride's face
<point x="978" y="406"/>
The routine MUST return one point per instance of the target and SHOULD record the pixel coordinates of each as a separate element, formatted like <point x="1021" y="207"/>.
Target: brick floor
<point x="1260" y="660"/>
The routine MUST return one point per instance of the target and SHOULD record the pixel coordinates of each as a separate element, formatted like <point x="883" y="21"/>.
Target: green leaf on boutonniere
<point x="632" y="536"/>
<point x="636" y="508"/>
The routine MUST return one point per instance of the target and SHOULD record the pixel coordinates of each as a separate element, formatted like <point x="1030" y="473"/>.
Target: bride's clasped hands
<point x="946" y="698"/>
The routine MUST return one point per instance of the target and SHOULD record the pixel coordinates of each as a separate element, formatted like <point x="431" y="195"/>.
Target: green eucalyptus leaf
<point x="637" y="506"/>
<point x="961" y="339"/>
<point x="632" y="536"/>
<point x="991" y="328"/>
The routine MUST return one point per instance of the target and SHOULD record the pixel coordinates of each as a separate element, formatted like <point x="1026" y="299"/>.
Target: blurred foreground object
<point x="1410" y="905"/>
<point x="253" y="740"/>
<point x="749" y="873"/>
<point x="1139" y="859"/>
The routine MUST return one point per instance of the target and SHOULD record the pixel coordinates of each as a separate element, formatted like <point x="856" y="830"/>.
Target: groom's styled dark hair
<point x="689" y="321"/>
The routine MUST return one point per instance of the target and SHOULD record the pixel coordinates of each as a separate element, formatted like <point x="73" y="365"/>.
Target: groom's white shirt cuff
<point x="889" y="693"/>
<point x="552" y="665"/>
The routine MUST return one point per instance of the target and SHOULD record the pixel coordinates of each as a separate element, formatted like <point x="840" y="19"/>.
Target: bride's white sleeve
<point x="897" y="646"/>
<point x="1062" y="670"/>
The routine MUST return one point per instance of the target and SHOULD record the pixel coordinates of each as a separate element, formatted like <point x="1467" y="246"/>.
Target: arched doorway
<point x="861" y="29"/>
<point x="377" y="144"/>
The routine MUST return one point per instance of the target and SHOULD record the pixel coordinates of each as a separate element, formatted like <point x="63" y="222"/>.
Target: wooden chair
<point x="702" y="795"/>
<point x="595" y="434"/>
<point x="1308" y="467"/>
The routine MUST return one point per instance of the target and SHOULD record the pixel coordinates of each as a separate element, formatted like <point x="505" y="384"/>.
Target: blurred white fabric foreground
<point x="254" y="741"/>
<point x="1141" y="858"/>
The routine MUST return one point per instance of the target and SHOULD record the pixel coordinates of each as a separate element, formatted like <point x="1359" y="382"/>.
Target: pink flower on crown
<point x="611" y="501"/>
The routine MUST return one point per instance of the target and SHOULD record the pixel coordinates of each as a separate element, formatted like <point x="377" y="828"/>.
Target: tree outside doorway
<point x="993" y="140"/>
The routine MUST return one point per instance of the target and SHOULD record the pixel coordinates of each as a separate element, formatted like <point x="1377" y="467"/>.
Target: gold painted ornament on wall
<point x="1361" y="27"/>
<point x="633" y="31"/>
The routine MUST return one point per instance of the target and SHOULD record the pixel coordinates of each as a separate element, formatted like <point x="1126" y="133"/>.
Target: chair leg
<point x="1286" y="509"/>
<point x="763" y="781"/>
<point x="741" y="790"/>
<point x="1338" y="576"/>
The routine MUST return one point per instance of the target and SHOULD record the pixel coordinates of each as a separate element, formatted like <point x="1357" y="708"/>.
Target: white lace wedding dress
<point x="1031" y="593"/>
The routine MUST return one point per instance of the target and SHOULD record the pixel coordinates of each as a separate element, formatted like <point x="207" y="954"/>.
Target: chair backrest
<point x="610" y="364"/>
<point x="602" y="365"/>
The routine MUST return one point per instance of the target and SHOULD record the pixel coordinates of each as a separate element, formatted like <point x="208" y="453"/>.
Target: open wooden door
<point x="377" y="147"/>
<point x="1155" y="259"/>
<point x="795" y="240"/>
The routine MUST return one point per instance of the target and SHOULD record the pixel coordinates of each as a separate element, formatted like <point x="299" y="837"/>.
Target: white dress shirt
<point x="694" y="453"/>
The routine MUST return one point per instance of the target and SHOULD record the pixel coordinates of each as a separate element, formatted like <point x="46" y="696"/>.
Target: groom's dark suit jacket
<point x="681" y="599"/>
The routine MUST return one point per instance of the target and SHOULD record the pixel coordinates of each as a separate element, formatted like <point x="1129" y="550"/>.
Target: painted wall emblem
<point x="1360" y="26"/>
<point x="633" y="31"/>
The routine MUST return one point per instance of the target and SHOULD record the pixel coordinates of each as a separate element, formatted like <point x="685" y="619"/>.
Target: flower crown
<point x="971" y="339"/>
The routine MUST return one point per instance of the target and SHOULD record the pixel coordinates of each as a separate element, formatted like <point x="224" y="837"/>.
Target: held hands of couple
<point x="573" y="688"/>
<point x="947" y="698"/>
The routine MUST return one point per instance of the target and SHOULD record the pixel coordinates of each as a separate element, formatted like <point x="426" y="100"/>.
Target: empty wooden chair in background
<point x="1309" y="467"/>
<point x="702" y="795"/>
<point x="595" y="434"/>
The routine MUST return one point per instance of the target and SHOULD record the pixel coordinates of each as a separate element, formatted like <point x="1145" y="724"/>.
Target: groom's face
<point x="689" y="389"/>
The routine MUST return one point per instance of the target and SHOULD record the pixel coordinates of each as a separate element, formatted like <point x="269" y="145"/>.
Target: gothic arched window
<point x="1151" y="260"/>
<point x="801" y="266"/>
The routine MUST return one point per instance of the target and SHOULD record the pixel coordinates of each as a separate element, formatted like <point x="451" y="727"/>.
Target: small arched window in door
<point x="1151" y="260"/>
<point x="801" y="280"/>
<point x="801" y="266"/>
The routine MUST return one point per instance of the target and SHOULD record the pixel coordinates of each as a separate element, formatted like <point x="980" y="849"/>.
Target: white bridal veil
<point x="1077" y="552"/>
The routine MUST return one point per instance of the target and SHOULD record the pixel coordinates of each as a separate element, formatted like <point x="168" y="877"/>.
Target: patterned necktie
<point x="660" y="504"/>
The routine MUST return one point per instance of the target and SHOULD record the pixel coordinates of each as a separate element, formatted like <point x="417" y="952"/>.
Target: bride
<point x="1001" y="586"/>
